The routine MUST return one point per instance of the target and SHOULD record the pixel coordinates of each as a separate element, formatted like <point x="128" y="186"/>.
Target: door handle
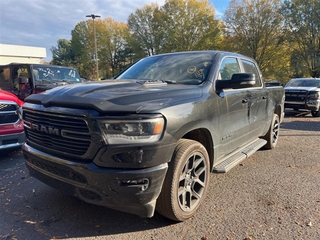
<point x="264" y="97"/>
<point x="244" y="100"/>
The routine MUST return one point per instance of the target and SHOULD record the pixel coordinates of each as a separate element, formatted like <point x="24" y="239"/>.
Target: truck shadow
<point x="7" y="153"/>
<point x="294" y="113"/>
<point x="75" y="218"/>
<point x="300" y="120"/>
<point x="36" y="211"/>
<point x="54" y="215"/>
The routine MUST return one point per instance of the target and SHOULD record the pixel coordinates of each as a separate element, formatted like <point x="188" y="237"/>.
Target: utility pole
<point x="93" y="16"/>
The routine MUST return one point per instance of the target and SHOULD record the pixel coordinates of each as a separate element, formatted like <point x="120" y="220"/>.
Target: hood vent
<point x="152" y="82"/>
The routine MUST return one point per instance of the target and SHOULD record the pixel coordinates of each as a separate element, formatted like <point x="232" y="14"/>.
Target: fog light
<point x="143" y="184"/>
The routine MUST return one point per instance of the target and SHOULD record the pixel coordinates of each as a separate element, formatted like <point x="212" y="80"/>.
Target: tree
<point x="112" y="41"/>
<point x="179" y="25"/>
<point x="302" y="20"/>
<point x="62" y="54"/>
<point x="110" y="36"/>
<point x="82" y="44"/>
<point x="189" y="25"/>
<point x="256" y="28"/>
<point x="144" y="29"/>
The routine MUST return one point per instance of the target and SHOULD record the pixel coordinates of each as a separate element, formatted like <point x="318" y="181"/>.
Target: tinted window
<point x="172" y="68"/>
<point x="304" y="83"/>
<point x="20" y="71"/>
<point x="228" y="67"/>
<point x="5" y="81"/>
<point x="250" y="67"/>
<point x="51" y="73"/>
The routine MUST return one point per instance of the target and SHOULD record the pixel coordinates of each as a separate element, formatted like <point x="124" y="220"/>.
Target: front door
<point x="234" y="110"/>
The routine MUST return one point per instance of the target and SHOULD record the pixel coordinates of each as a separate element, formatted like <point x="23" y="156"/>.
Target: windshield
<point x="51" y="73"/>
<point x="179" y="68"/>
<point x="304" y="83"/>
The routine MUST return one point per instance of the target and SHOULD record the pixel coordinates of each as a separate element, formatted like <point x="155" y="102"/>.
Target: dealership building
<point x="21" y="54"/>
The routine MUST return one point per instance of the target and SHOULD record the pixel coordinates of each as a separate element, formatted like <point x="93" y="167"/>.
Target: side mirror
<point x="238" y="80"/>
<point x="23" y="80"/>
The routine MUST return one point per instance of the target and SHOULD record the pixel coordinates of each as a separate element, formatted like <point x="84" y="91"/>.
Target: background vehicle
<point x="303" y="93"/>
<point x="25" y="79"/>
<point x="150" y="138"/>
<point x="11" y="125"/>
<point x="273" y="84"/>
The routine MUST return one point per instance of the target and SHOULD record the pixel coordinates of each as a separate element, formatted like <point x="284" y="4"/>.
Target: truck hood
<point x="43" y="85"/>
<point x="118" y="95"/>
<point x="301" y="89"/>
<point x="7" y="96"/>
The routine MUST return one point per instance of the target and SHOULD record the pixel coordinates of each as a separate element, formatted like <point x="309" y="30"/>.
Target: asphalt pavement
<point x="273" y="194"/>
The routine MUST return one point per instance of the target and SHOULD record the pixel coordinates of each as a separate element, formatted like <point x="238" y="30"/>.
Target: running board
<point x="233" y="160"/>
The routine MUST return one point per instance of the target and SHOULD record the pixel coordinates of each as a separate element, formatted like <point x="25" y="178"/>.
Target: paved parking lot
<point x="272" y="195"/>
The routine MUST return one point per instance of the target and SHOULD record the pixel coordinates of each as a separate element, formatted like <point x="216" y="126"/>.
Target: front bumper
<point x="127" y="190"/>
<point x="313" y="105"/>
<point x="12" y="140"/>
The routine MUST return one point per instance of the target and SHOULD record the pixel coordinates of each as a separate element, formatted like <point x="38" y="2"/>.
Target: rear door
<point x="258" y="101"/>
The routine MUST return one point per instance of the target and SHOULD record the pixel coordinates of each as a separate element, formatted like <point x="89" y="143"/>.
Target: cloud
<point x="41" y="23"/>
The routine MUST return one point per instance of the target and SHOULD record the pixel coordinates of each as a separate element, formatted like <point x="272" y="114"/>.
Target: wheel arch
<point x="203" y="136"/>
<point x="279" y="110"/>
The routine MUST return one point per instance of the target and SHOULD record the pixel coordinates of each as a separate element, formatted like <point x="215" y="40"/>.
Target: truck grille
<point x="296" y="96"/>
<point x="8" y="112"/>
<point x="62" y="133"/>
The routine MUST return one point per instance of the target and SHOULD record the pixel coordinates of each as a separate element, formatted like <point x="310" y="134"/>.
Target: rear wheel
<point x="315" y="113"/>
<point x="273" y="133"/>
<point x="186" y="182"/>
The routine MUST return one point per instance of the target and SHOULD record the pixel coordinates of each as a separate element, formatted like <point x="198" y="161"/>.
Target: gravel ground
<point x="273" y="194"/>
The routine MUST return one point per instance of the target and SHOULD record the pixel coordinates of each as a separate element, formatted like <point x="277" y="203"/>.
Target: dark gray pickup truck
<point x="149" y="139"/>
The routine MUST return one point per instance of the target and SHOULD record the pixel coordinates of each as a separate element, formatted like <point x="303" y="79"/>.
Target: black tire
<point x="186" y="183"/>
<point x="273" y="133"/>
<point x="315" y="113"/>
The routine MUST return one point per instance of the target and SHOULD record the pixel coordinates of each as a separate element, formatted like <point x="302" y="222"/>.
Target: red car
<point x="11" y="124"/>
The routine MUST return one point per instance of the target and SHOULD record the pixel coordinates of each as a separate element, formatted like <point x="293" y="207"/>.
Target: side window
<point x="21" y="71"/>
<point x="228" y="67"/>
<point x="5" y="82"/>
<point x="250" y="67"/>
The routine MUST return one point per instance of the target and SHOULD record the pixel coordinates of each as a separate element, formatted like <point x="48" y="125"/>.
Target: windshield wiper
<point x="64" y="80"/>
<point x="44" y="80"/>
<point x="170" y="81"/>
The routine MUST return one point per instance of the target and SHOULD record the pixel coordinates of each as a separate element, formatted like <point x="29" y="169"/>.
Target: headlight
<point x="314" y="95"/>
<point x="132" y="131"/>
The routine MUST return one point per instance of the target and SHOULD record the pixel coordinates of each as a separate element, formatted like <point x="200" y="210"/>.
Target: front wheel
<point x="315" y="113"/>
<point x="273" y="133"/>
<point x="186" y="182"/>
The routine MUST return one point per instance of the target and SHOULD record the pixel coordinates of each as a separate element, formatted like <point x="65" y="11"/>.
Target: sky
<point x="41" y="23"/>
